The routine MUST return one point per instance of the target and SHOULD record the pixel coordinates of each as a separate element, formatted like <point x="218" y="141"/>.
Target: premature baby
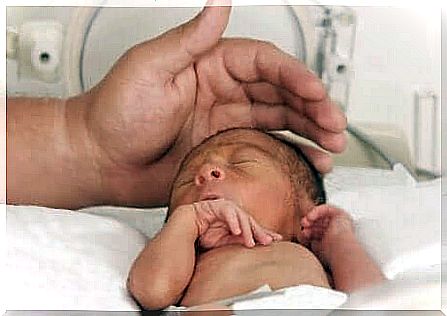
<point x="245" y="209"/>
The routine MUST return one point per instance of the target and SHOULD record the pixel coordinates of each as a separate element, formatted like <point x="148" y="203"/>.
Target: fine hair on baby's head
<point x="305" y="181"/>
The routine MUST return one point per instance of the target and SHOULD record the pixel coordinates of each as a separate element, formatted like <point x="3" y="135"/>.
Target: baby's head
<point x="265" y="176"/>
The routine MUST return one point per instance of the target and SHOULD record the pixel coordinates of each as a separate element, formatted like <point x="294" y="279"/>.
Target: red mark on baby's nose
<point x="200" y="179"/>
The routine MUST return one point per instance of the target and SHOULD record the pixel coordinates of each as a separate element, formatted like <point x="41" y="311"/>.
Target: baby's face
<point x="239" y="165"/>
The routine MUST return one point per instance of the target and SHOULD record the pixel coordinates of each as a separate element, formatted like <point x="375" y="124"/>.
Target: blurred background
<point x="381" y="64"/>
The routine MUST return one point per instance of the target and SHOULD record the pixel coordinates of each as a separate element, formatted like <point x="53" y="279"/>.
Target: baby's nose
<point x="209" y="172"/>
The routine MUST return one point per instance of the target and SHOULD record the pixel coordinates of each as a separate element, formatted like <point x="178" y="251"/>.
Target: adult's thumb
<point x="176" y="49"/>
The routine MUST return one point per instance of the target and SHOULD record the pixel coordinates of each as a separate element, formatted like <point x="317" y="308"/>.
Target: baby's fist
<point x="323" y="226"/>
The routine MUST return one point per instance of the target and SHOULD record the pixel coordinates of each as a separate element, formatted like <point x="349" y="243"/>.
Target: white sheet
<point x="399" y="224"/>
<point x="60" y="259"/>
<point x="294" y="297"/>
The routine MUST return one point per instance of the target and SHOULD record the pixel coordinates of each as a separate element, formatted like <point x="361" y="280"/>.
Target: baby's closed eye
<point x="243" y="161"/>
<point x="242" y="164"/>
<point x="243" y="157"/>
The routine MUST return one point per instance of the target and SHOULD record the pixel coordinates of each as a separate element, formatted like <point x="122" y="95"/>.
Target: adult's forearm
<point x="352" y="267"/>
<point x="50" y="161"/>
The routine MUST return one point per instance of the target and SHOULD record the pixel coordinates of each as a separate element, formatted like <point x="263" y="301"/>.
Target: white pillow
<point x="67" y="260"/>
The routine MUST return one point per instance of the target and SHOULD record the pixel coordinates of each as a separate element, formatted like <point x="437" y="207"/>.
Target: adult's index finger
<point x="255" y="61"/>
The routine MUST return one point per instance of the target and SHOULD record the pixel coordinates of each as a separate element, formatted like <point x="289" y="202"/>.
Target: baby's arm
<point x="331" y="236"/>
<point x="164" y="268"/>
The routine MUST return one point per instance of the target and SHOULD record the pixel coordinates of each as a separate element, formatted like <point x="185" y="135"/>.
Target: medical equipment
<point x="321" y="36"/>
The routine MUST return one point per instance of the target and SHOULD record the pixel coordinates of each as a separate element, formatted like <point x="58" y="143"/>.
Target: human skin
<point x="329" y="232"/>
<point x="248" y="167"/>
<point x="231" y="196"/>
<point x="223" y="199"/>
<point x="121" y="143"/>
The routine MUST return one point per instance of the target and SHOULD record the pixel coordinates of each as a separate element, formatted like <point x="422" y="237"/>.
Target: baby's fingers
<point x="306" y="232"/>
<point x="312" y="233"/>
<point x="226" y="212"/>
<point x="246" y="229"/>
<point x="310" y="223"/>
<point x="260" y="233"/>
<point x="233" y="221"/>
<point x="320" y="211"/>
<point x="230" y="240"/>
<point x="275" y="236"/>
<point x="317" y="212"/>
<point x="305" y="222"/>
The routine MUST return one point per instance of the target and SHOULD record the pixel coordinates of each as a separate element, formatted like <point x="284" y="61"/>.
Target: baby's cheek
<point x="267" y="214"/>
<point x="282" y="214"/>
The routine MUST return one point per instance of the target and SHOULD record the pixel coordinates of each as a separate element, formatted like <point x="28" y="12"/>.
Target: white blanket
<point x="293" y="297"/>
<point x="65" y="260"/>
<point x="400" y="225"/>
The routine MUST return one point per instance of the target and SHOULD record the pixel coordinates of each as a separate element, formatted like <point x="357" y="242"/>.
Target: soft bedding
<point x="399" y="224"/>
<point x="65" y="260"/>
<point x="72" y="260"/>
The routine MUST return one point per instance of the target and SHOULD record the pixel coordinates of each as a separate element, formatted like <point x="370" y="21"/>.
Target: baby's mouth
<point x="209" y="197"/>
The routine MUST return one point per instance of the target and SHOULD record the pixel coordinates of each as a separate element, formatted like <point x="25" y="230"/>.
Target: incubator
<point x="377" y="180"/>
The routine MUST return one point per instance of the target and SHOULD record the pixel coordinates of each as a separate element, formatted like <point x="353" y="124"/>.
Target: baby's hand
<point x="323" y="226"/>
<point x="221" y="222"/>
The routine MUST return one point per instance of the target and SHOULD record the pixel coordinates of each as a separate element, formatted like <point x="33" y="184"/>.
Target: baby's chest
<point x="237" y="270"/>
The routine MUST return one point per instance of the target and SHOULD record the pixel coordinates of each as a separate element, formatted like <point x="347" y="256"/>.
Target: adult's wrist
<point x="50" y="161"/>
<point x="84" y="153"/>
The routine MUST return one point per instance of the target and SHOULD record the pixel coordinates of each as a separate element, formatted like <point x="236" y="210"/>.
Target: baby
<point x="241" y="208"/>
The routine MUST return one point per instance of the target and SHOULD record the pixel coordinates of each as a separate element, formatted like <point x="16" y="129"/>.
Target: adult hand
<point x="166" y="95"/>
